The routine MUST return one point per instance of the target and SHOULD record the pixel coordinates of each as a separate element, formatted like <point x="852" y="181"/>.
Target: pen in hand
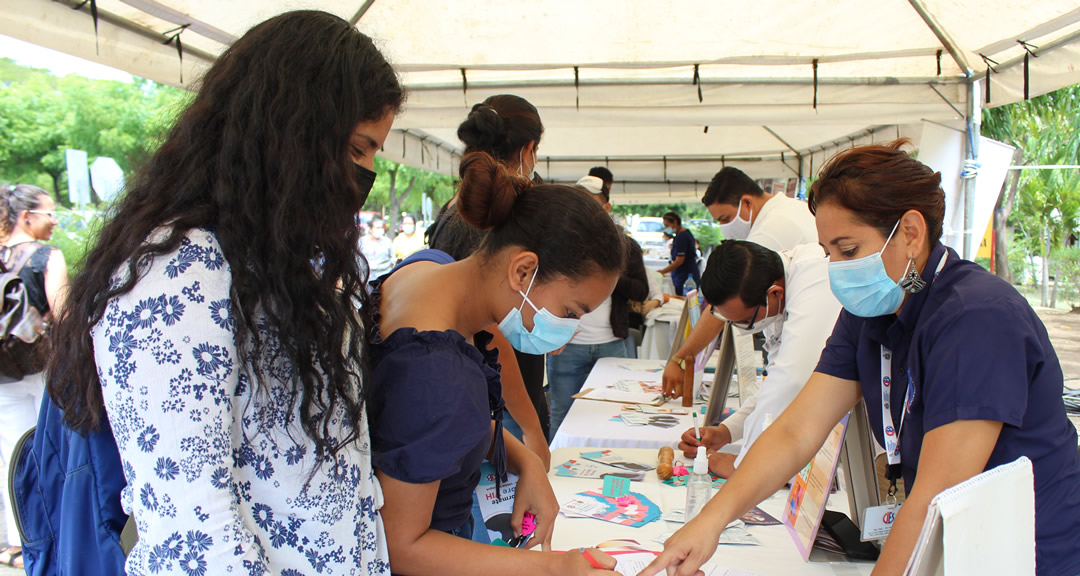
<point x="697" y="432"/>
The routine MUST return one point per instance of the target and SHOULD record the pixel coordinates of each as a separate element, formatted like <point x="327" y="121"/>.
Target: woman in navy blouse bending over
<point x="551" y="255"/>
<point x="979" y="380"/>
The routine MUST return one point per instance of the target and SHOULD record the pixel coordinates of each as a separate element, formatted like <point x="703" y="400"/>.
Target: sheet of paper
<point x="635" y="419"/>
<point x="634" y="510"/>
<point x="650" y="366"/>
<point x="594" y="470"/>
<point x="738" y="535"/>
<point x="629" y="564"/>
<point x="746" y="363"/>
<point x="735" y="533"/>
<point x="613" y="395"/>
<point x="647" y="409"/>
<point x="716" y="570"/>
<point x="615" y="459"/>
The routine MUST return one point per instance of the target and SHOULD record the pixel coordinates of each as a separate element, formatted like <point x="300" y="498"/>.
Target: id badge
<point x="878" y="521"/>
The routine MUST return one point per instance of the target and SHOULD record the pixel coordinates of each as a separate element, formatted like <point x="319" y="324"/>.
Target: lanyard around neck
<point x="890" y="433"/>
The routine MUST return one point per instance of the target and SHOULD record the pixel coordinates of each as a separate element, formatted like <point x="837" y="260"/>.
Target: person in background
<point x="27" y="218"/>
<point x="957" y="371"/>
<point x="508" y="128"/>
<point x="745" y="212"/>
<point x="378" y="250"/>
<point x="606" y="177"/>
<point x="408" y="240"/>
<point x="218" y="321"/>
<point x="786" y="296"/>
<point x="601" y="333"/>
<point x="550" y="256"/>
<point x="683" y="253"/>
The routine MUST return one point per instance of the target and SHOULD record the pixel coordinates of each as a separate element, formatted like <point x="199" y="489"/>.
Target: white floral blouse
<point x="216" y="481"/>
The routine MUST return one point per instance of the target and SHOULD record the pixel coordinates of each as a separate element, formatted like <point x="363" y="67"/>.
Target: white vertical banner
<point x="78" y="176"/>
<point x="108" y="178"/>
<point x="942" y="149"/>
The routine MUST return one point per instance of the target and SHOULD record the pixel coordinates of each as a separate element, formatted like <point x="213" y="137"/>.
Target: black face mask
<point x="365" y="179"/>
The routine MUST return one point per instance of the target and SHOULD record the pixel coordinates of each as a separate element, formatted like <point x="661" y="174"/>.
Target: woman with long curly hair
<point x="214" y="323"/>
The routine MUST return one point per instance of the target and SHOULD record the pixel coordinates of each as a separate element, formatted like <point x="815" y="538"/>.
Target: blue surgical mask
<point x="863" y="287"/>
<point x="669" y="231"/>
<point x="549" y="332"/>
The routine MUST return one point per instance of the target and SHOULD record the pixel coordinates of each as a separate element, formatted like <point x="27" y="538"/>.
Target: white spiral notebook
<point x="985" y="525"/>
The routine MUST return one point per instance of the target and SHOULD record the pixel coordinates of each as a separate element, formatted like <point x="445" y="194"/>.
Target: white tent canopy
<point x="780" y="85"/>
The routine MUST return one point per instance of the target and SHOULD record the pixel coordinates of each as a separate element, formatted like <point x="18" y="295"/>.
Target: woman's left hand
<point x="534" y="495"/>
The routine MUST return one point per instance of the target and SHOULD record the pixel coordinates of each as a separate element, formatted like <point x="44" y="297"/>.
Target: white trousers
<point x="19" y="404"/>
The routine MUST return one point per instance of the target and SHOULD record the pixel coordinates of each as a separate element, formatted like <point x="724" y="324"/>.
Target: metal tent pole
<point x="971" y="146"/>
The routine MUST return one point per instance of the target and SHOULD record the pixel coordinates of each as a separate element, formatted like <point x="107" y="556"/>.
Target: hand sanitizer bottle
<point x="698" y="486"/>
<point x="688" y="286"/>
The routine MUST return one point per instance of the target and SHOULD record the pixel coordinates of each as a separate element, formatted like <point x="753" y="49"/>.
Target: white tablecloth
<point x="660" y="325"/>
<point x="589" y="422"/>
<point x="777" y="555"/>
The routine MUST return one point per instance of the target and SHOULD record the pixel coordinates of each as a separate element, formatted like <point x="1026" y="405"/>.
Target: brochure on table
<point x="810" y="491"/>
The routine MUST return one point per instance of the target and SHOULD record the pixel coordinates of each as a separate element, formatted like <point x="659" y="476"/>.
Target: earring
<point x="911" y="282"/>
<point x="28" y="222"/>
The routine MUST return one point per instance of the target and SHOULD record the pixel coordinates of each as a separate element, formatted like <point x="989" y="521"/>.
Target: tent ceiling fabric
<point x="614" y="79"/>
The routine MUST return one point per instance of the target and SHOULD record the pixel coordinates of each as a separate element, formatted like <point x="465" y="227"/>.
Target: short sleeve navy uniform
<point x="433" y="398"/>
<point x="684" y="245"/>
<point x="969" y="347"/>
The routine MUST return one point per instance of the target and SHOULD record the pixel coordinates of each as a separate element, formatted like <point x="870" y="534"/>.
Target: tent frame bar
<point x="153" y="35"/>
<point x="555" y="83"/>
<point x="951" y="105"/>
<point x="757" y="60"/>
<point x="159" y="10"/>
<point x="1043" y="49"/>
<point x="360" y="13"/>
<point x="942" y="36"/>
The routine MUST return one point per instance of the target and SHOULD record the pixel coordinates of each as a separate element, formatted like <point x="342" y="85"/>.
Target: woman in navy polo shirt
<point x="980" y="380"/>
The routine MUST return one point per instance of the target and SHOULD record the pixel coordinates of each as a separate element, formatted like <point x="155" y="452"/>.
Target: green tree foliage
<point x="42" y="115"/>
<point x="1040" y="206"/>
<point x="686" y="211"/>
<point x="400" y="188"/>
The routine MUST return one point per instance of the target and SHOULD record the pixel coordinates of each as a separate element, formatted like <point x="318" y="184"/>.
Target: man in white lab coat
<point x="745" y="212"/>
<point x="786" y="296"/>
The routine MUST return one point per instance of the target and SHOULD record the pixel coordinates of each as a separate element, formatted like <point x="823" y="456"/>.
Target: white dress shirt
<point x="782" y="224"/>
<point x="794" y="343"/>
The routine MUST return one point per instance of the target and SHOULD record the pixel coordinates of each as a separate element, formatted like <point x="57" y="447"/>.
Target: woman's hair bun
<point x="488" y="190"/>
<point x="483" y="130"/>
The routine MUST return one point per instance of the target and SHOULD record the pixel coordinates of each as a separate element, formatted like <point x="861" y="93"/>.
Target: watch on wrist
<point x="680" y="361"/>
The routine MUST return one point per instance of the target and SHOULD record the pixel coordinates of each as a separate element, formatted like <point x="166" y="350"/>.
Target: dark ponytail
<point x="489" y="197"/>
<point x="569" y="232"/>
<point x="500" y="126"/>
